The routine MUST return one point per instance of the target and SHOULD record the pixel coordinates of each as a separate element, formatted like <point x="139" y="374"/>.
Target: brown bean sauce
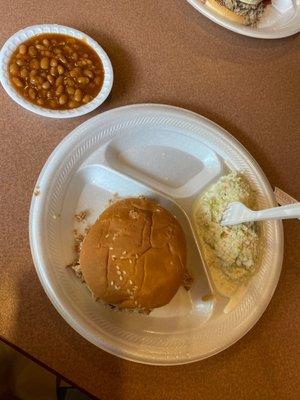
<point x="56" y="71"/>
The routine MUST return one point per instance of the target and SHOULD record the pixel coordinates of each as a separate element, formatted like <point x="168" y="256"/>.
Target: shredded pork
<point x="251" y="12"/>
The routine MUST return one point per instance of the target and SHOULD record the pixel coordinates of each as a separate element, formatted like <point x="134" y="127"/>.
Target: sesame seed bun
<point x="134" y="256"/>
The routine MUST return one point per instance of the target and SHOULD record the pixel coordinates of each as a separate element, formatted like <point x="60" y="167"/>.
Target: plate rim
<point x="287" y="31"/>
<point x="107" y="344"/>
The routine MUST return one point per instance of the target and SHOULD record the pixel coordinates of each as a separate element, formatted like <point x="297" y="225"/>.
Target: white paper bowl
<point x="24" y="34"/>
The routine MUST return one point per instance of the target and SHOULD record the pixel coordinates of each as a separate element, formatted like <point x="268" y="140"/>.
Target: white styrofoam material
<point x="188" y="165"/>
<point x="24" y="34"/>
<point x="99" y="159"/>
<point x="283" y="6"/>
<point x="281" y="19"/>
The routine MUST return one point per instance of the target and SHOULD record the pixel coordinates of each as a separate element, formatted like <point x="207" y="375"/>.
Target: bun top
<point x="134" y="256"/>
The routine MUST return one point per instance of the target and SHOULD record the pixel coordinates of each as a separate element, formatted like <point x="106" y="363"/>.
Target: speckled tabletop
<point x="162" y="51"/>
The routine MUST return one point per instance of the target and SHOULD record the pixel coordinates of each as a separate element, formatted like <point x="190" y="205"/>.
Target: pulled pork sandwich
<point x="134" y="256"/>
<point x="246" y="12"/>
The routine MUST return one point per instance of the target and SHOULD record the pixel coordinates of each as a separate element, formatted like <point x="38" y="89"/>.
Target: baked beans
<point x="56" y="71"/>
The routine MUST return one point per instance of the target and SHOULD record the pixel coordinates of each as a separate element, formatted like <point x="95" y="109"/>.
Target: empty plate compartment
<point x="164" y="159"/>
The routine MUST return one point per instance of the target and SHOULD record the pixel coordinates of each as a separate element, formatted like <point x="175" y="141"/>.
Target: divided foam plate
<point x="121" y="151"/>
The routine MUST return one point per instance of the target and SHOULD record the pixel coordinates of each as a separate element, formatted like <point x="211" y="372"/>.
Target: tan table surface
<point x="162" y="51"/>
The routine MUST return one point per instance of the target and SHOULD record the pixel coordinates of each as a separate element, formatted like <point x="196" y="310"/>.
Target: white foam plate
<point x="173" y="155"/>
<point x="281" y="19"/>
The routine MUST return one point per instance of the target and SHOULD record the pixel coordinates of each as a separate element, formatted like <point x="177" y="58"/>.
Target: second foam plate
<point x="281" y="18"/>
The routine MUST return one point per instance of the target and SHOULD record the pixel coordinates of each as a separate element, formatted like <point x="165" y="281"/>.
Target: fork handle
<point x="282" y="212"/>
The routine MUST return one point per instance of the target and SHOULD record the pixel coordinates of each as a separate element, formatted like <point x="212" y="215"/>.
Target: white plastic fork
<point x="236" y="213"/>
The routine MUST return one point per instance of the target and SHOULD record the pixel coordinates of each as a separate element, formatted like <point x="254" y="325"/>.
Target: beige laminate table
<point x="162" y="51"/>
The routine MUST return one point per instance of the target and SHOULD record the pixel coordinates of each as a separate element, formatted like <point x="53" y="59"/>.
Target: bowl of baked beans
<point x="55" y="71"/>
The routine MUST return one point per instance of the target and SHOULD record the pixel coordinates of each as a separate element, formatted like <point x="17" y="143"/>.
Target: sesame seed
<point x="130" y="281"/>
<point x="128" y="291"/>
<point x="130" y="261"/>
<point x="119" y="272"/>
<point x="112" y="283"/>
<point x="117" y="267"/>
<point x="113" y="257"/>
<point x="111" y="248"/>
<point x="106" y="236"/>
<point x="124" y="252"/>
<point x="124" y="272"/>
<point x="121" y="278"/>
<point x="135" y="302"/>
